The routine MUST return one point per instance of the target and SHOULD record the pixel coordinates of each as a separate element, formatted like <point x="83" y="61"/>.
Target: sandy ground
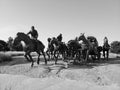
<point x="18" y="75"/>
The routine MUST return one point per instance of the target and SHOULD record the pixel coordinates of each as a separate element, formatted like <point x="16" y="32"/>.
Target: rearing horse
<point x="30" y="47"/>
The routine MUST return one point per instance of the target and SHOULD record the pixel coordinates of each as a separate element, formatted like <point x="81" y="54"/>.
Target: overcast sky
<point x="97" y="18"/>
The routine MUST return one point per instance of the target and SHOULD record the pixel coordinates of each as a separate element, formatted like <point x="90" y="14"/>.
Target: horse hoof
<point x="29" y="60"/>
<point x="31" y="65"/>
<point x="38" y="63"/>
<point x="48" y="59"/>
<point x="45" y="63"/>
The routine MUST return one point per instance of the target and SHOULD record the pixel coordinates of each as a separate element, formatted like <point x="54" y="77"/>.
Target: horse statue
<point x="88" y="48"/>
<point x="59" y="48"/>
<point x="106" y="48"/>
<point x="29" y="46"/>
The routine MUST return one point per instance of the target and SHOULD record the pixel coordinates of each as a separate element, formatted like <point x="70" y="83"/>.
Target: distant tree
<point x="19" y="47"/>
<point x="115" y="47"/>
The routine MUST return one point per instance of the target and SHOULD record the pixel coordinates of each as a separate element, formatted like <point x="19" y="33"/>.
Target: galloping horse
<point x="87" y="47"/>
<point x="50" y="49"/>
<point x="106" y="48"/>
<point x="59" y="47"/>
<point x="30" y="46"/>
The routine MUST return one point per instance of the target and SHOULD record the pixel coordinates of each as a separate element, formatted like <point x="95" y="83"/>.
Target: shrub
<point x="115" y="47"/>
<point x="5" y="57"/>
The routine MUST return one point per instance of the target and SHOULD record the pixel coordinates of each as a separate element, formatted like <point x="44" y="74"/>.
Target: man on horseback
<point x="34" y="35"/>
<point x="59" y="37"/>
<point x="106" y="48"/>
<point x="105" y="40"/>
<point x="106" y="44"/>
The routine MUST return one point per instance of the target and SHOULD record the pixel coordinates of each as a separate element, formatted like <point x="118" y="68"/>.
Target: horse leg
<point x="44" y="57"/>
<point x="104" y="54"/>
<point x="107" y="54"/>
<point x="48" y="54"/>
<point x="99" y="55"/>
<point x="27" y="57"/>
<point x="55" y="57"/>
<point x="52" y="55"/>
<point x="63" y="55"/>
<point x="38" y="60"/>
<point x="87" y="56"/>
<point x="31" y="59"/>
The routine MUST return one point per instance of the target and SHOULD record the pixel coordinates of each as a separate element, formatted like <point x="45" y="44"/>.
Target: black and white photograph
<point x="59" y="44"/>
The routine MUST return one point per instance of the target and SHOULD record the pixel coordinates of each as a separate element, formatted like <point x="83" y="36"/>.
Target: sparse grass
<point x="5" y="57"/>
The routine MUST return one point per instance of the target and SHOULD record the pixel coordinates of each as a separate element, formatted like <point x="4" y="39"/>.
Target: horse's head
<point x="20" y="37"/>
<point x="49" y="39"/>
<point x="17" y="40"/>
<point x="54" y="41"/>
<point x="81" y="37"/>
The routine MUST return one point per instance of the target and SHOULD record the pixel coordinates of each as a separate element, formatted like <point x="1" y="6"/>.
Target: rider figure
<point x="49" y="43"/>
<point x="106" y="42"/>
<point x="34" y="35"/>
<point x="59" y="37"/>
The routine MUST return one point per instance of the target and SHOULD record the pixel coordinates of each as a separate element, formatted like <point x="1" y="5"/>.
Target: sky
<point x="97" y="18"/>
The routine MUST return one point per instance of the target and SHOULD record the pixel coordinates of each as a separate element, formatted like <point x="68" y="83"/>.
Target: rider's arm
<point x="29" y="33"/>
<point x="36" y="34"/>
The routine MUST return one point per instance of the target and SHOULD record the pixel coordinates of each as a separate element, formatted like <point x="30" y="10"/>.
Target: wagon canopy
<point x="93" y="39"/>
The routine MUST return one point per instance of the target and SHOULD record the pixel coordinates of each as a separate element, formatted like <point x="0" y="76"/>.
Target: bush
<point x="115" y="47"/>
<point x="5" y="57"/>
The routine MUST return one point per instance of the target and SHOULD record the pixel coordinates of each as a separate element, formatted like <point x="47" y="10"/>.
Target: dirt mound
<point x="102" y="75"/>
<point x="56" y="77"/>
<point x="18" y="75"/>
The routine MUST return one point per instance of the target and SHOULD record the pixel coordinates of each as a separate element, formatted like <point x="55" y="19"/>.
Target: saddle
<point x="35" y="43"/>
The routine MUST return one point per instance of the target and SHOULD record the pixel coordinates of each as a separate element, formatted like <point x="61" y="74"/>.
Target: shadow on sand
<point x="90" y="65"/>
<point x="20" y="59"/>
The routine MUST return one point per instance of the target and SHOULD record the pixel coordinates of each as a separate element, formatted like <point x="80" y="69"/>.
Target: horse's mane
<point x="92" y="38"/>
<point x="23" y="34"/>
